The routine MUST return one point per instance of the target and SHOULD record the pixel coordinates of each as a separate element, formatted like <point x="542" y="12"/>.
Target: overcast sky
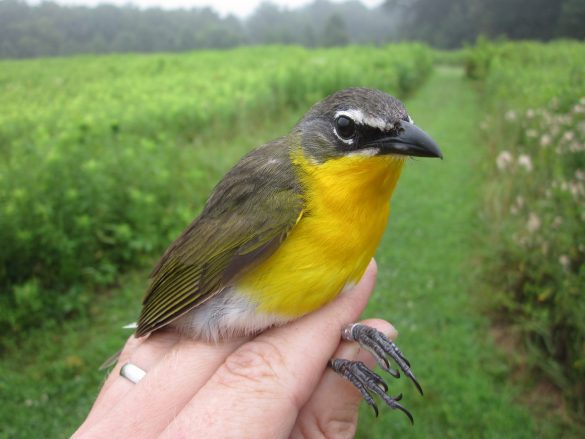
<point x="237" y="7"/>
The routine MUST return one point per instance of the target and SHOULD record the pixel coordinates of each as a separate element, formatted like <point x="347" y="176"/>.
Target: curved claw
<point x="381" y="346"/>
<point x="391" y="371"/>
<point x="375" y="408"/>
<point x="368" y="383"/>
<point x="410" y="375"/>
<point x="394" y="404"/>
<point x="406" y="412"/>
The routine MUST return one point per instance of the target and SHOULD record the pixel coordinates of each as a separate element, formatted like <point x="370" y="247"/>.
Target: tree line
<point x="452" y="23"/>
<point x="49" y="29"/>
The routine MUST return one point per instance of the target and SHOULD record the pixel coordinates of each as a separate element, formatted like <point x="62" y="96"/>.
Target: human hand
<point x="274" y="385"/>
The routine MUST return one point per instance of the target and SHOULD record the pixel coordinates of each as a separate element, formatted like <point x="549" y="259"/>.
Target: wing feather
<point x="248" y="215"/>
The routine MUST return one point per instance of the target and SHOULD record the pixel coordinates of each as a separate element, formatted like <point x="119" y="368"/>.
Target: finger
<point x="144" y="352"/>
<point x="332" y="410"/>
<point x="259" y="389"/>
<point x="166" y="388"/>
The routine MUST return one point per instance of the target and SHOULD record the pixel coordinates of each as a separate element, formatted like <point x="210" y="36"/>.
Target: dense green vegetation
<point x="535" y="198"/>
<point x="99" y="155"/>
<point x="103" y="160"/>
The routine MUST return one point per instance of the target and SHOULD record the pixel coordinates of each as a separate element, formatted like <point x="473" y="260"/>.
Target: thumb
<point x="332" y="410"/>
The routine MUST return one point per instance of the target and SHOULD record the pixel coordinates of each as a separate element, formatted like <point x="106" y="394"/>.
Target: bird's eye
<point x="345" y="127"/>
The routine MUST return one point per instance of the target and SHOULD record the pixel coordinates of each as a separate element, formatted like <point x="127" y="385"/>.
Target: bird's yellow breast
<point x="347" y="202"/>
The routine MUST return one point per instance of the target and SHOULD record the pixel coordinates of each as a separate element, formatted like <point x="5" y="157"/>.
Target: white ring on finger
<point x="132" y="373"/>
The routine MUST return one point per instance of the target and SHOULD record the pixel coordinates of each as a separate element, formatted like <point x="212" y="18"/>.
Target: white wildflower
<point x="580" y="175"/>
<point x="568" y="136"/>
<point x="524" y="161"/>
<point x="520" y="201"/>
<point x="504" y="160"/>
<point x="575" y="188"/>
<point x="533" y="223"/>
<point x="530" y="113"/>
<point x="510" y="115"/>
<point x="564" y="261"/>
<point x="545" y="140"/>
<point x="531" y="133"/>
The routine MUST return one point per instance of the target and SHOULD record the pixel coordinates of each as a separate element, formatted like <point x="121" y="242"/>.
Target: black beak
<point x="411" y="141"/>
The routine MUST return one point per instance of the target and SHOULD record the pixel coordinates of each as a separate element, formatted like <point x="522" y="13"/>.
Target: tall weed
<point x="535" y="201"/>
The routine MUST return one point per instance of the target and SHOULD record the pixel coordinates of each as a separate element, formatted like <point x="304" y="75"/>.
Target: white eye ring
<point x="346" y="141"/>
<point x="345" y="123"/>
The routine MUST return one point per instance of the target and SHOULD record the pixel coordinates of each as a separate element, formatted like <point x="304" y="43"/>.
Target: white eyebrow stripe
<point x="360" y="118"/>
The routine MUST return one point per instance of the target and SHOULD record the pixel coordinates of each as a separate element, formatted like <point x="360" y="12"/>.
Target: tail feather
<point x="110" y="361"/>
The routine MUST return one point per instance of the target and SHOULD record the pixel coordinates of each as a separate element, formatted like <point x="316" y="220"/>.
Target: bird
<point x="292" y="225"/>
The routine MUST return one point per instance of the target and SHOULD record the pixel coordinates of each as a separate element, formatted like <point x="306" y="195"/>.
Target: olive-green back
<point x="247" y="216"/>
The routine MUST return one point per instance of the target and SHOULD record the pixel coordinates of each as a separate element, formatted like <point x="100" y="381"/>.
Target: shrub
<point x="535" y="203"/>
<point x="101" y="161"/>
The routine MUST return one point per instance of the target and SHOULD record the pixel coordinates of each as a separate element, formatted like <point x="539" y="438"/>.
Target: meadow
<point x="97" y="153"/>
<point x="104" y="160"/>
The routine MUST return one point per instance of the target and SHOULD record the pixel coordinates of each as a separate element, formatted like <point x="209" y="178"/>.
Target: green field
<point x="105" y="159"/>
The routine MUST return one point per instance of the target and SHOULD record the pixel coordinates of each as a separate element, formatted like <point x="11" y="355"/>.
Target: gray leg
<point x="380" y="347"/>
<point x="366" y="381"/>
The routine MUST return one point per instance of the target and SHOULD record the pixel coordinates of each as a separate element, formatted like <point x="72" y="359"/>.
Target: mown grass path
<point x="426" y="282"/>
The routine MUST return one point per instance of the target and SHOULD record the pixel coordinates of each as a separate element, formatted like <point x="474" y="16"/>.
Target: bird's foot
<point x="381" y="347"/>
<point x="367" y="382"/>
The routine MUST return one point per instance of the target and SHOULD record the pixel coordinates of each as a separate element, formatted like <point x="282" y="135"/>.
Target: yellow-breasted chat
<point x="293" y="224"/>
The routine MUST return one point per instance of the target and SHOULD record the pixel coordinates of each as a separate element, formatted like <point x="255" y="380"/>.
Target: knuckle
<point x="338" y="425"/>
<point x="258" y="365"/>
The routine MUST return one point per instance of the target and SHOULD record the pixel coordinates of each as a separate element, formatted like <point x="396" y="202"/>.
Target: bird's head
<point x="365" y="122"/>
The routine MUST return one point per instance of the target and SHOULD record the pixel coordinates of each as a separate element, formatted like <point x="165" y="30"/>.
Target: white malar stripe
<point x="367" y="152"/>
<point x="360" y="118"/>
<point x="410" y="119"/>
<point x="132" y="325"/>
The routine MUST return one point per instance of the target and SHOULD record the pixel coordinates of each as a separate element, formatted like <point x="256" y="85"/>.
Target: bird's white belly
<point x="226" y="315"/>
